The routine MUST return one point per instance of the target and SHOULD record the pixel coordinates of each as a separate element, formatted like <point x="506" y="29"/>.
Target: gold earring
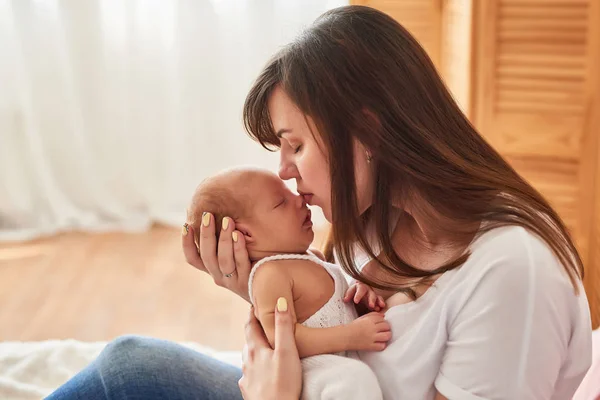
<point x="369" y="156"/>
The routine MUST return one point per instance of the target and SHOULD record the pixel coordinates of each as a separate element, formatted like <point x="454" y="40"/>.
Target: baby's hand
<point x="364" y="294"/>
<point x="370" y="332"/>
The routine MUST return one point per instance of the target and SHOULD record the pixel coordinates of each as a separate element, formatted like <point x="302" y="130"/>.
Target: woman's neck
<point x="428" y="227"/>
<point x="427" y="239"/>
<point x="422" y="223"/>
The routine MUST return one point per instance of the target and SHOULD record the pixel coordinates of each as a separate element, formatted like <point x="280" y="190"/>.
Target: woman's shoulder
<point x="513" y="245"/>
<point x="514" y="260"/>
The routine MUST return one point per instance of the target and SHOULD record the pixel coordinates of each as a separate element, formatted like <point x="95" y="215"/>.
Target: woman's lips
<point x="307" y="198"/>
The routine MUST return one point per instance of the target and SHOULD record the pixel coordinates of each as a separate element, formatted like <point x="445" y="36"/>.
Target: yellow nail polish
<point x="281" y="304"/>
<point x="225" y="223"/>
<point x="206" y="219"/>
<point x="234" y="236"/>
<point x="185" y="229"/>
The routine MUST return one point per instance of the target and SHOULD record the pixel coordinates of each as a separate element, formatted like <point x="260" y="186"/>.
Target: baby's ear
<point x="246" y="231"/>
<point x="248" y="238"/>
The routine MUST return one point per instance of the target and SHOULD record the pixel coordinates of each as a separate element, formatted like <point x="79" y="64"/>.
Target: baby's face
<point x="280" y="221"/>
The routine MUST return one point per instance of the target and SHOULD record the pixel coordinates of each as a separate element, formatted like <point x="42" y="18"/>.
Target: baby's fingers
<point x="373" y="303"/>
<point x="350" y="293"/>
<point x="380" y="302"/>
<point x="361" y="291"/>
<point x="383" y="326"/>
<point x="383" y="336"/>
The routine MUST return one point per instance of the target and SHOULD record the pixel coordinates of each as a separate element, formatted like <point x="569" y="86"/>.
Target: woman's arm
<point x="271" y="374"/>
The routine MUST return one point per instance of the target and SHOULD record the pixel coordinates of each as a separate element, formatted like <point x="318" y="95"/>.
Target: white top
<point x="505" y="325"/>
<point x="334" y="312"/>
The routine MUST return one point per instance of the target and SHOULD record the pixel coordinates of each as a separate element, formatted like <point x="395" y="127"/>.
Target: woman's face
<point x="304" y="158"/>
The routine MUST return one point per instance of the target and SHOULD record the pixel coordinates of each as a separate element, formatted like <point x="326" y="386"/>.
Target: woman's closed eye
<point x="296" y="147"/>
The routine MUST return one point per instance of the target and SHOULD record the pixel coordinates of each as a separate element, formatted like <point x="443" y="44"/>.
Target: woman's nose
<point x="287" y="170"/>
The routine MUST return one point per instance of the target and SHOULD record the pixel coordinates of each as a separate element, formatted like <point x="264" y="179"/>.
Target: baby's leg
<point x="331" y="377"/>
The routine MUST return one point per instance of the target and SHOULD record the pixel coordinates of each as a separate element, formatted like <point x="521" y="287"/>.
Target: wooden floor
<point x="98" y="286"/>
<point x="94" y="287"/>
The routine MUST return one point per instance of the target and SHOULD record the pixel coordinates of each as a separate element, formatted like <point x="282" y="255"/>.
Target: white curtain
<point x="112" y="111"/>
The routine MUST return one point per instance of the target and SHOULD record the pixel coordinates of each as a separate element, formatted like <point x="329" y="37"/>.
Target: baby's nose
<point x="300" y="201"/>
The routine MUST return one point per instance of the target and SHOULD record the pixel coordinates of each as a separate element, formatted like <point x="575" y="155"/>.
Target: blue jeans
<point x="134" y="367"/>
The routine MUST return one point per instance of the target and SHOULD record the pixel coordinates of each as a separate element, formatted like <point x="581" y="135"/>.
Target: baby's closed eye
<point x="280" y="203"/>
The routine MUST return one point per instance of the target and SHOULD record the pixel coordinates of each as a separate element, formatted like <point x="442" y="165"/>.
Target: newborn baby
<point x="277" y="228"/>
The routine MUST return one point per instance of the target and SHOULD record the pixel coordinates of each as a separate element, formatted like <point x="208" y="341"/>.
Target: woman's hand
<point x="229" y="265"/>
<point x="270" y="374"/>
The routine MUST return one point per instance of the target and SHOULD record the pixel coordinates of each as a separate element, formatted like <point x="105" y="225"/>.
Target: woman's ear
<point x="360" y="148"/>
<point x="374" y="119"/>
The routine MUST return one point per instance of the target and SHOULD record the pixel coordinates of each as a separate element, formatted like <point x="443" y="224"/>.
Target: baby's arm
<point x="370" y="332"/>
<point x="272" y="281"/>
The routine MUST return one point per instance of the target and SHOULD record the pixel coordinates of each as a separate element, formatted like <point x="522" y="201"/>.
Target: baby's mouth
<point x="307" y="221"/>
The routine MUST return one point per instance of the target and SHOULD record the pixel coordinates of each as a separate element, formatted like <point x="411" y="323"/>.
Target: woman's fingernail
<point x="225" y="223"/>
<point x="206" y="219"/>
<point x="234" y="236"/>
<point x="185" y="229"/>
<point x="281" y="304"/>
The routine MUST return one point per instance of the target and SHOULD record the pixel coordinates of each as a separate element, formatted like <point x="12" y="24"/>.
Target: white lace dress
<point x="331" y="376"/>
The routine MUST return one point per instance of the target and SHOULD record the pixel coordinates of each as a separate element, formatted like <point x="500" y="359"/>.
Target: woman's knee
<point x="128" y="346"/>
<point x="119" y="372"/>
<point x="130" y="358"/>
<point x="143" y="363"/>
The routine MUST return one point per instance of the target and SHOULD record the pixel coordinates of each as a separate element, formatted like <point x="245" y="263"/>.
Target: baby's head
<point x="272" y="219"/>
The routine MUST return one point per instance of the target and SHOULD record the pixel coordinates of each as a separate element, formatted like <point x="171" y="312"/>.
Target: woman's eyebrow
<point x="282" y="132"/>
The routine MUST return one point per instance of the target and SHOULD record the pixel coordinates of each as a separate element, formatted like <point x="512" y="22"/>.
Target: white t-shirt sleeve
<point x="510" y="328"/>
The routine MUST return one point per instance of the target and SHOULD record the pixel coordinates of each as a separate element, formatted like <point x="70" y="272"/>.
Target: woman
<point x="419" y="204"/>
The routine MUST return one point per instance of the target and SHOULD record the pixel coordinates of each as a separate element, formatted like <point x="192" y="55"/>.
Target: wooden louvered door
<point x="592" y="152"/>
<point x="443" y="28"/>
<point x="536" y="100"/>
<point x="593" y="262"/>
<point x="422" y="18"/>
<point x="592" y="278"/>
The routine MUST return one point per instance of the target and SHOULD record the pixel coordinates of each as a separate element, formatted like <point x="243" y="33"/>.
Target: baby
<point x="277" y="228"/>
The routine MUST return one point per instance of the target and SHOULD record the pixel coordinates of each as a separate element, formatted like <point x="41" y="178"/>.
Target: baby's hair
<point x="219" y="197"/>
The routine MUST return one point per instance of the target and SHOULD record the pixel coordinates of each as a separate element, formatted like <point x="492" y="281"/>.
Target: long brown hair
<point x="360" y="75"/>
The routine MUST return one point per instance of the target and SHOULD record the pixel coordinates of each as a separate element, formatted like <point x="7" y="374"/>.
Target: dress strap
<point x="310" y="257"/>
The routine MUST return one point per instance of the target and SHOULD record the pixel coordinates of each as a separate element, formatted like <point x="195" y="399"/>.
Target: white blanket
<point x="32" y="370"/>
